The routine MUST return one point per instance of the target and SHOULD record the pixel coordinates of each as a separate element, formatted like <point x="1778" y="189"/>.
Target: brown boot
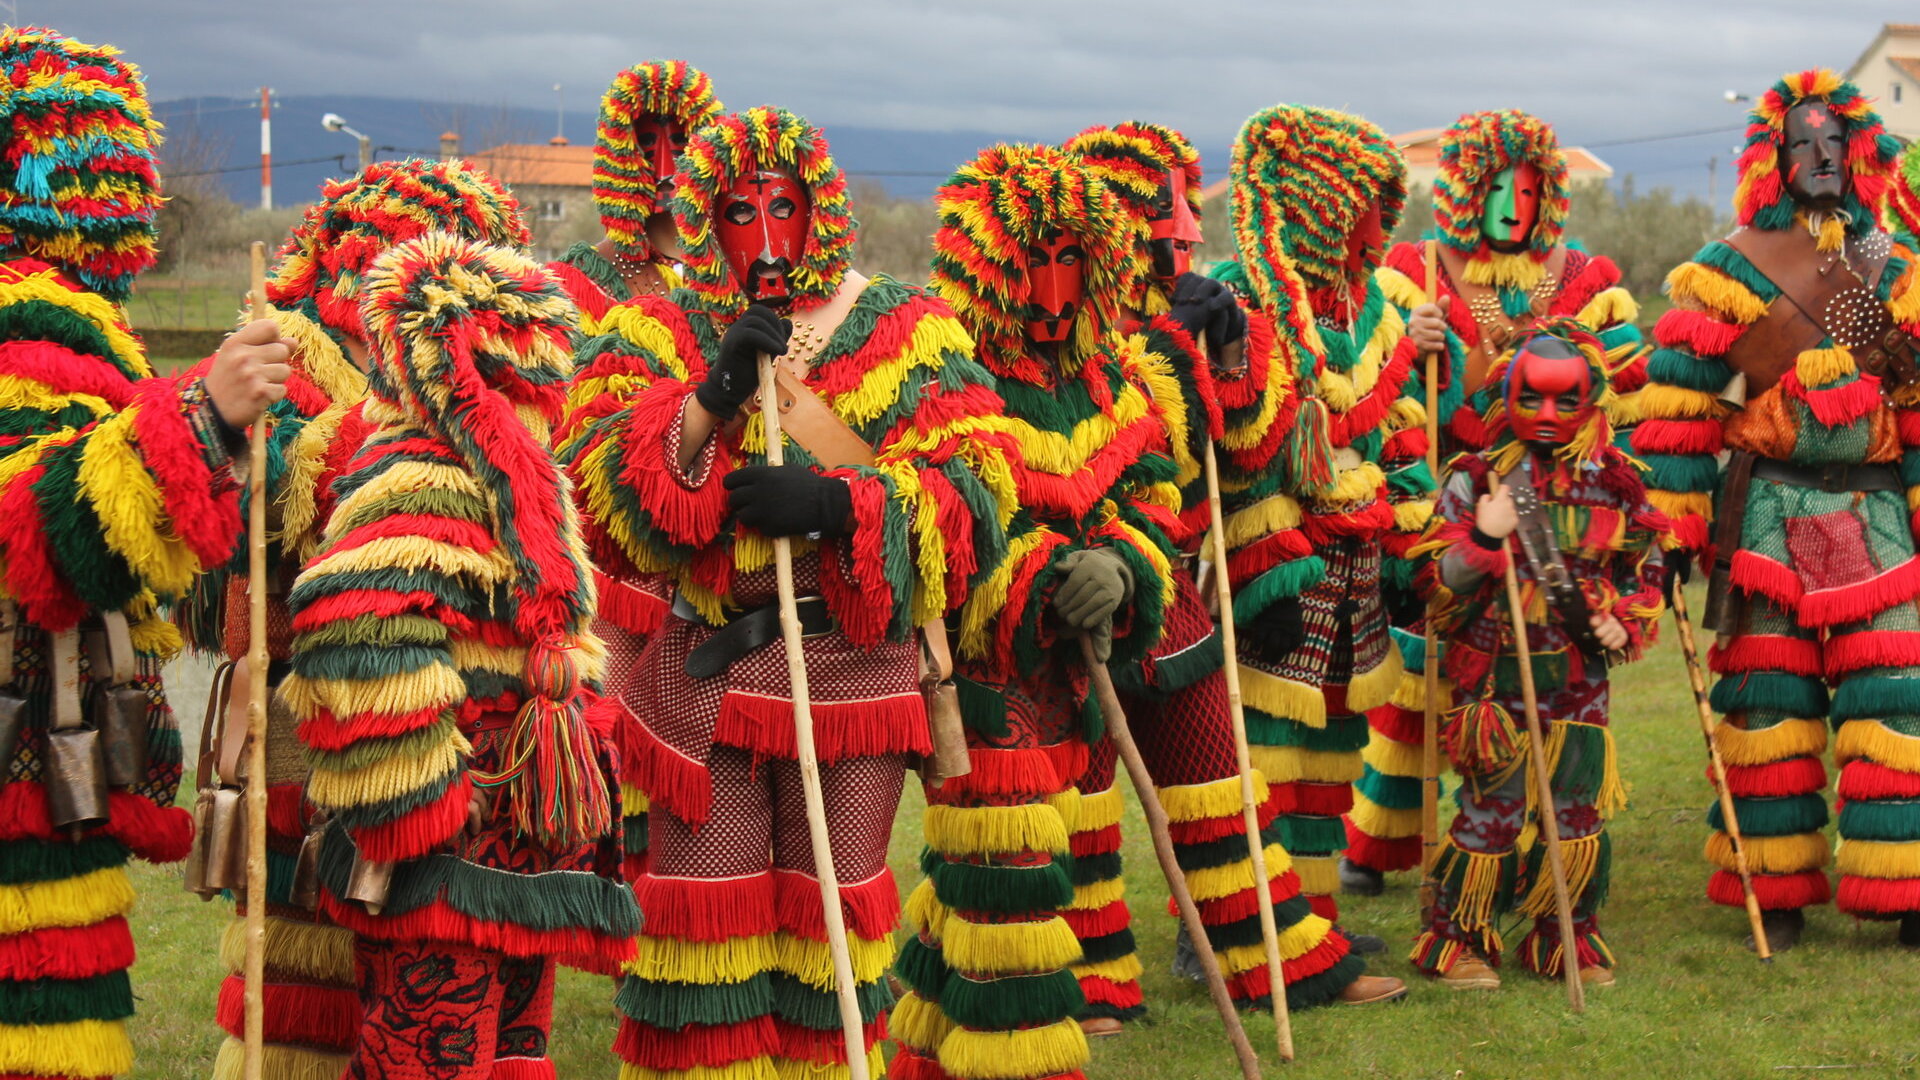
<point x="1471" y="972"/>
<point x="1591" y="977"/>
<point x="1371" y="989"/>
<point x="1099" y="1027"/>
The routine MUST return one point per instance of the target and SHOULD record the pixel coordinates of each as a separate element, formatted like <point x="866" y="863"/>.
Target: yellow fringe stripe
<point x="1514" y="269"/>
<point x="132" y="514"/>
<point x="1376" y="820"/>
<point x="1204" y="802"/>
<point x="279" y="1061"/>
<point x="1875" y="741"/>
<point x="439" y="686"/>
<point x="417" y="553"/>
<point x="79" y="1048"/>
<point x="796" y="1069"/>
<point x="1412" y="517"/>
<point x="1100" y="810"/>
<point x="1614" y="305"/>
<point x="1372" y="689"/>
<point x="734" y="960"/>
<point x="1411" y="692"/>
<point x="924" y="913"/>
<point x="812" y="962"/>
<point x="918" y="1023"/>
<point x="1276" y="696"/>
<point x="1014" y="1055"/>
<point x="1098" y="894"/>
<point x="388" y="779"/>
<point x="989" y="598"/>
<point x="1787" y="739"/>
<point x="1319" y="874"/>
<point x="94" y="308"/>
<point x="759" y="1068"/>
<point x="1009" y="948"/>
<point x="1273" y="514"/>
<point x="1581" y="857"/>
<point x="1879" y="858"/>
<point x="995" y="830"/>
<point x="74" y="901"/>
<point x="1215" y="882"/>
<point x="1818" y="367"/>
<point x="309" y="950"/>
<point x="1394" y="758"/>
<point x="1123" y="969"/>
<point x="1354" y="485"/>
<point x="1677" y="403"/>
<point x="1725" y="298"/>
<point x="633" y="801"/>
<point x="1067" y="805"/>
<point x="1795" y="853"/>
<point x="1285" y="764"/>
<point x="1399" y="289"/>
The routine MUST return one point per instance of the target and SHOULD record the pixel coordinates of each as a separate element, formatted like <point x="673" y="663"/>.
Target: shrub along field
<point x="1690" y="1002"/>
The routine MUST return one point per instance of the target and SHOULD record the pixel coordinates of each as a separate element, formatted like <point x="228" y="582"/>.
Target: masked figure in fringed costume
<point x="312" y="1012"/>
<point x="647" y="115"/>
<point x="1500" y="204"/>
<point x="117" y="490"/>
<point x="1191" y="328"/>
<point x="1804" y="316"/>
<point x="1571" y="504"/>
<point x="1036" y="259"/>
<point x="1903" y="198"/>
<point x="440" y="655"/>
<point x="896" y="497"/>
<point x="1315" y="194"/>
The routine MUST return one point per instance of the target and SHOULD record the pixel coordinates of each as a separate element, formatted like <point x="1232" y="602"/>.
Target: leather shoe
<point x="1099" y="1027"/>
<point x="1372" y="989"/>
<point x="1596" y="976"/>
<point x="1471" y="972"/>
<point x="1363" y="944"/>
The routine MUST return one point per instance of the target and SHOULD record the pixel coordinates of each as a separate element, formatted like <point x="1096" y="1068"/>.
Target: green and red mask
<point x="1512" y="206"/>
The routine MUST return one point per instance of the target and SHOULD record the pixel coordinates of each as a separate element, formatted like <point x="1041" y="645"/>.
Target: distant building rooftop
<point x="551" y="164"/>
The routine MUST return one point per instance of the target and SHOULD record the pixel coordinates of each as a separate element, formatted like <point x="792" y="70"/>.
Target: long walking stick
<point x="1170" y="863"/>
<point x="1730" y="817"/>
<point x="1430" y="671"/>
<point x="1243" y="758"/>
<point x="808" y="759"/>
<point x="1543" y="777"/>
<point x="254" y="972"/>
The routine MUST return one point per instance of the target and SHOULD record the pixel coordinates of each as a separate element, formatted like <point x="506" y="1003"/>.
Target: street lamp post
<point x="335" y="122"/>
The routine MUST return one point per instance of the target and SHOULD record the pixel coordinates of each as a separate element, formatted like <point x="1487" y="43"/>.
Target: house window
<point x="552" y="210"/>
<point x="1896" y="93"/>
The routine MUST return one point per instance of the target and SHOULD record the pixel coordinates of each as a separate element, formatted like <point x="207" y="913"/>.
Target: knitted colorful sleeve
<point x="1408" y="288"/>
<point x="1716" y="296"/>
<point x="107" y="495"/>
<point x="376" y="685"/>
<point x="1403" y="455"/>
<point x="1182" y="384"/>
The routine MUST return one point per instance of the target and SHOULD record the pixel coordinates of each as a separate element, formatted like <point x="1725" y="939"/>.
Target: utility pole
<point x="559" y="115"/>
<point x="1713" y="181"/>
<point x="266" y="148"/>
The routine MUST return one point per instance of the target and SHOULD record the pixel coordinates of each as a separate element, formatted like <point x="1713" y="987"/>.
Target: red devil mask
<point x="1364" y="244"/>
<point x="762" y="229"/>
<point x="1513" y="206"/>
<point x="1056" y="286"/>
<point x="659" y="141"/>
<point x="1550" y="392"/>
<point x="1171" y="229"/>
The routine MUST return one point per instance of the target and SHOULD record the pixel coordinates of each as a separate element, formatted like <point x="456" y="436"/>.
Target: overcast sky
<point x="1601" y="70"/>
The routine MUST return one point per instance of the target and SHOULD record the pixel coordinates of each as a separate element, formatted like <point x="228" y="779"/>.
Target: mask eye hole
<point x="679" y="140"/>
<point x="1037" y="256"/>
<point x="646" y="137"/>
<point x="739" y="212"/>
<point x="1071" y="256"/>
<point x="782" y="208"/>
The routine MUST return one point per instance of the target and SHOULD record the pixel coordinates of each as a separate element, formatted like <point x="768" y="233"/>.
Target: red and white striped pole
<point x="266" y="148"/>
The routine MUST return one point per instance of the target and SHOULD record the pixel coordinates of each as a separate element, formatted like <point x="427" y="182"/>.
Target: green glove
<point x="1094" y="584"/>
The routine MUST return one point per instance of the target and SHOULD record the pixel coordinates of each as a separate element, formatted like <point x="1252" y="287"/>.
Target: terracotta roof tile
<point x="515" y="164"/>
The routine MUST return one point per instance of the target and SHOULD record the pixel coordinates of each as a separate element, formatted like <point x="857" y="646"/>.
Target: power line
<point x="338" y="159"/>
<point x="1664" y="138"/>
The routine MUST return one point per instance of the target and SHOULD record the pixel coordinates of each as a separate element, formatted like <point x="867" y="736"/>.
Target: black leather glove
<point x="1679" y="566"/>
<point x="1208" y="311"/>
<point x="789" y="500"/>
<point x="735" y="373"/>
<point x="1276" y="632"/>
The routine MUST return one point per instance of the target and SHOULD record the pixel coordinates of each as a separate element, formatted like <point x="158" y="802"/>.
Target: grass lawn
<point x="1690" y="1001"/>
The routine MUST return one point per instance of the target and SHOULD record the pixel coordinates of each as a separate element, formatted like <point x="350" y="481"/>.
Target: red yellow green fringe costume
<point x="1492" y="863"/>
<point x="439" y="643"/>
<point x="625" y="193"/>
<point x="991" y="990"/>
<point x="111" y="500"/>
<point x="313" y="1010"/>
<point x="1383" y="829"/>
<point x="733" y="976"/>
<point x="1176" y="697"/>
<point x="1827" y="633"/>
<point x="1301" y="179"/>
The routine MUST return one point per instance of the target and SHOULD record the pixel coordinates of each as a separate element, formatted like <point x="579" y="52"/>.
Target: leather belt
<point x="1834" y="479"/>
<point x="746" y="631"/>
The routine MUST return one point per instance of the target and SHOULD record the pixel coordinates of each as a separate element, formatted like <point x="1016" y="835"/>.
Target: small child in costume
<point x="1569" y="508"/>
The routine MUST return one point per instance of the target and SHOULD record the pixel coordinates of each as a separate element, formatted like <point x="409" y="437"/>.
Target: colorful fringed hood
<point x="1903" y="196"/>
<point x="321" y="267"/>
<point x="1476" y="147"/>
<point x="1586" y="451"/>
<point x="1761" y="201"/>
<point x="78" y="161"/>
<point x="1301" y="179"/>
<point x="763" y="137"/>
<point x="1006" y="198"/>
<point x="1133" y="159"/>
<point x="624" y="190"/>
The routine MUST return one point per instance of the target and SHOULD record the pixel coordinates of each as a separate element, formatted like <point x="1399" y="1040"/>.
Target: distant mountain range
<point x="208" y="134"/>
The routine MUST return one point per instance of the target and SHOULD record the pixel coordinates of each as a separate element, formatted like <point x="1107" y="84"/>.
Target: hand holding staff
<point x="1250" y="800"/>
<point x="808" y="759"/>
<point x="1727" y="812"/>
<point x="1430" y="671"/>
<point x="254" y="970"/>
<point x="1543" y="777"/>
<point x="1170" y="864"/>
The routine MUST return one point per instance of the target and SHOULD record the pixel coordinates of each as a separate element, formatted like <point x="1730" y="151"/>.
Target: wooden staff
<point x="1170" y="863"/>
<point x="1543" y="778"/>
<point x="1250" y="800"/>
<point x="807" y="758"/>
<point x="1430" y="672"/>
<point x="1731" y="819"/>
<point x="254" y="971"/>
